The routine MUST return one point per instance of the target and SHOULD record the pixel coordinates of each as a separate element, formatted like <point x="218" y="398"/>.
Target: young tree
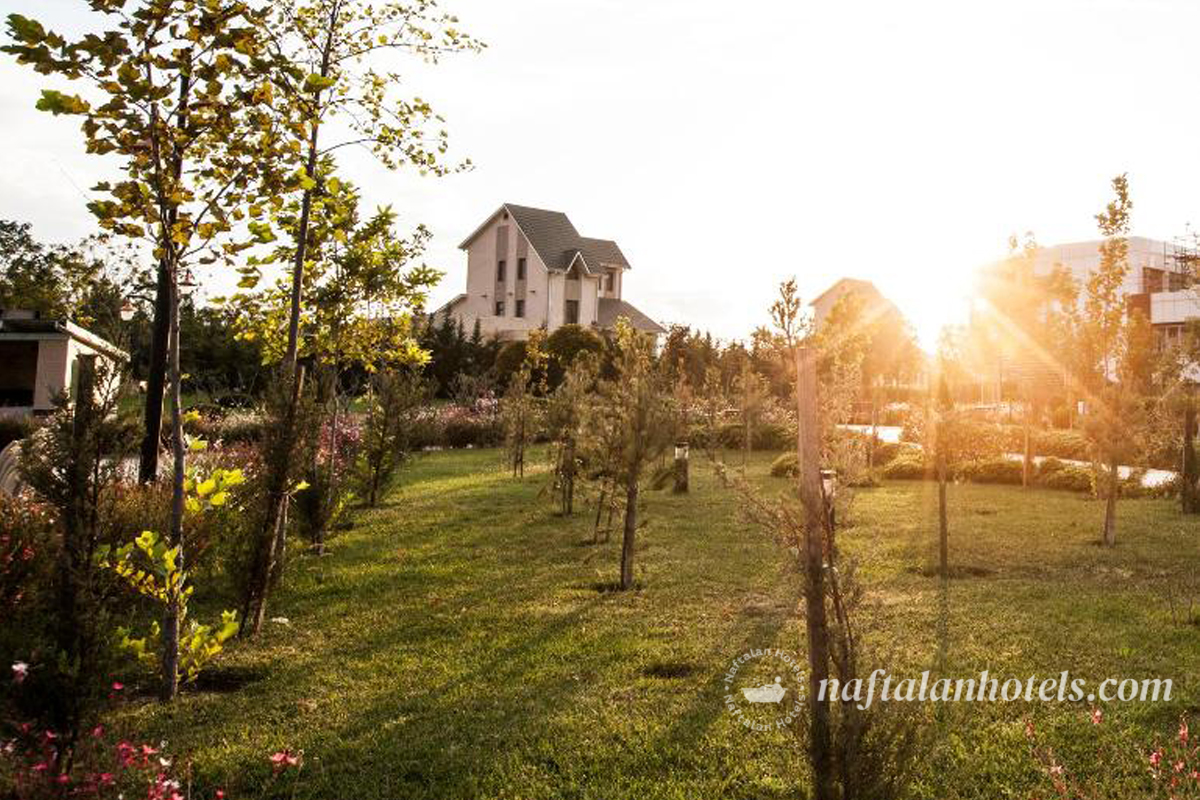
<point x="1115" y="356"/>
<point x="628" y="424"/>
<point x="563" y="419"/>
<point x="518" y="407"/>
<point x="365" y="287"/>
<point x="750" y="391"/>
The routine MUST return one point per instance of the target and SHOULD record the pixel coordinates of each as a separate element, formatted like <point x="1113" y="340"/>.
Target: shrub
<point x="909" y="465"/>
<point x="14" y="429"/>
<point x="763" y="436"/>
<point x="1066" y="477"/>
<point x="786" y="466"/>
<point x="992" y="470"/>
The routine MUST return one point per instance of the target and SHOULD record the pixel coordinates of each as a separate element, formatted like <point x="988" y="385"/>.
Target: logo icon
<point x="765" y="689"/>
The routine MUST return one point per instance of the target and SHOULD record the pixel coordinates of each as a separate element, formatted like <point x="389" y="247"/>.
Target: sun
<point x="942" y="298"/>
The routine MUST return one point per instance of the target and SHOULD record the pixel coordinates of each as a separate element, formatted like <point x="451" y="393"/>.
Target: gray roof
<point x="611" y="309"/>
<point x="557" y="243"/>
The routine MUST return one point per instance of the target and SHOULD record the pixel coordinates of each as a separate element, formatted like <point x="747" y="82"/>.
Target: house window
<point x="500" y="270"/>
<point x="572" y="312"/>
<point x="520" y="309"/>
<point x="520" y="270"/>
<point x="499" y="308"/>
<point x="609" y="280"/>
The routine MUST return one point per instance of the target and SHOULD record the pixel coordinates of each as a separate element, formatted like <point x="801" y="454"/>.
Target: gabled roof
<point x="610" y="309"/>
<point x="846" y="286"/>
<point x="555" y="240"/>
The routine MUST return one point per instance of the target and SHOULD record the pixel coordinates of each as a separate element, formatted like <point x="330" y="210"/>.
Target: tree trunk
<point x="627" y="544"/>
<point x="1190" y="482"/>
<point x="943" y="523"/>
<point x="156" y="378"/>
<point x="1110" y="504"/>
<point x="808" y="451"/>
<point x="173" y="611"/>
<point x="1027" y="461"/>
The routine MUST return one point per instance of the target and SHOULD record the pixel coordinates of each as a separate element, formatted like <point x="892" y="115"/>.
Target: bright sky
<point x="729" y="146"/>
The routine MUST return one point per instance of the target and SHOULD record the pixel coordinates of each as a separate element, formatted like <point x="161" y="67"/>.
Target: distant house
<point x="528" y="268"/>
<point x="874" y="304"/>
<point x="39" y="357"/>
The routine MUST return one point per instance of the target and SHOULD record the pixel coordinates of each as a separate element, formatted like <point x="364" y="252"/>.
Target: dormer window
<point x="573" y="275"/>
<point x="500" y="270"/>
<point x="609" y="281"/>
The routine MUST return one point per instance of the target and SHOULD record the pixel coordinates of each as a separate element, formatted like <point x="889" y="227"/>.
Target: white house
<point x="528" y="268"/>
<point x="38" y="359"/>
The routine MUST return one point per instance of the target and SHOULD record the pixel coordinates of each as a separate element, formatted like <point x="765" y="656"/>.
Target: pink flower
<point x="1179" y="765"/>
<point x="1183" y="731"/>
<point x="105" y="778"/>
<point x="20" y="670"/>
<point x="1156" y="758"/>
<point x="117" y="686"/>
<point x="98" y="731"/>
<point x="285" y="759"/>
<point x="1097" y="716"/>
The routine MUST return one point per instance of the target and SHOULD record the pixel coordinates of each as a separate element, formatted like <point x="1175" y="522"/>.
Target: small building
<point x="530" y="269"/>
<point x="39" y="358"/>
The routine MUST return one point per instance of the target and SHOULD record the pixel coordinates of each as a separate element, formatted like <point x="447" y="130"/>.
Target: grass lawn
<point x="459" y="642"/>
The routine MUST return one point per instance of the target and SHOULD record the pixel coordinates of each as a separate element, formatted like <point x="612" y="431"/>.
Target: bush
<point x="992" y="470"/>
<point x="234" y="427"/>
<point x="786" y="466"/>
<point x="909" y="465"/>
<point x="763" y="436"/>
<point x="1067" y="477"/>
<point x="14" y="429"/>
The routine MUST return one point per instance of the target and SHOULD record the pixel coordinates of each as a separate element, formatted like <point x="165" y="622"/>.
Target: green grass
<point x="459" y="643"/>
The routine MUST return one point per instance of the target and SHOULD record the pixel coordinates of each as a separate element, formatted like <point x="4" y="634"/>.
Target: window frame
<point x="521" y="269"/>
<point x="501" y="271"/>
<point x="567" y="312"/>
<point x="499" y="308"/>
<point x="519" y="309"/>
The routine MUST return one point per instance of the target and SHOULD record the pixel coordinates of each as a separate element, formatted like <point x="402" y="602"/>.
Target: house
<point x="39" y="357"/>
<point x="528" y="268"/>
<point x="874" y="304"/>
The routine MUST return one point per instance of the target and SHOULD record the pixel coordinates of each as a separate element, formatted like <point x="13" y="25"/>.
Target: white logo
<point x="764" y="689"/>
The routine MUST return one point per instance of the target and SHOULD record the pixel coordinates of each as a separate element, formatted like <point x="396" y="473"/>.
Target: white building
<point x="528" y="268"/>
<point x="38" y="359"/>
<point x="1157" y="281"/>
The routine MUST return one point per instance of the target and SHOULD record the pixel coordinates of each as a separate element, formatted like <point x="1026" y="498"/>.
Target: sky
<point x="729" y="146"/>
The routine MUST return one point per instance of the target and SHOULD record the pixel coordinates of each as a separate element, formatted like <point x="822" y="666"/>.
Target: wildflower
<point x="219" y="795"/>
<point x="1179" y="766"/>
<point x="1097" y="716"/>
<point x="285" y="759"/>
<point x="105" y="778"/>
<point x="97" y="731"/>
<point x="20" y="670"/>
<point x="1028" y="729"/>
<point x="1056" y="769"/>
<point x="1155" y="758"/>
<point x="1183" y="731"/>
<point x="117" y="686"/>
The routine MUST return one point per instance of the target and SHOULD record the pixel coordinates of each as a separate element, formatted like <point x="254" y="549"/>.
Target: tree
<point x="1116" y="353"/>
<point x="518" y="407"/>
<point x="365" y="288"/>
<point x="750" y="392"/>
<point x="628" y="423"/>
<point x="563" y="421"/>
<point x="188" y="110"/>
<point x="329" y="46"/>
